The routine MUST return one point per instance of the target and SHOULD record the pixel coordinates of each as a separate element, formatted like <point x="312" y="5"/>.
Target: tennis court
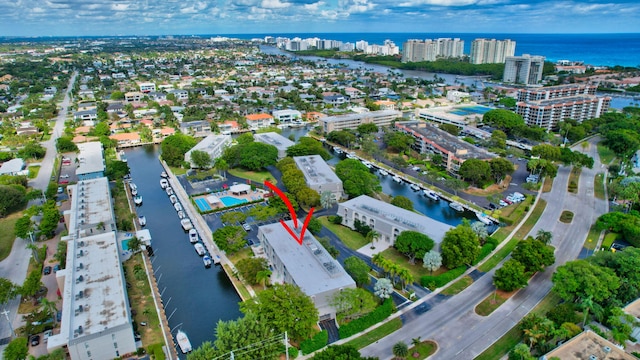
<point x="203" y="205"/>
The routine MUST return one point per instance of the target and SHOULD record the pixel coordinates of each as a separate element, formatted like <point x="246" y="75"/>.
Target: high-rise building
<point x="525" y="69"/>
<point x="430" y="50"/>
<point x="491" y="51"/>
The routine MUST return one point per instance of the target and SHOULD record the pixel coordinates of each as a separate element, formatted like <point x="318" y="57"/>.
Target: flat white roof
<point x="90" y="159"/>
<point x="356" y="116"/>
<point x="12" y="166"/>
<point x="309" y="264"/>
<point x="90" y="206"/>
<point x="403" y="218"/>
<point x="275" y="139"/>
<point x="316" y="171"/>
<point x="210" y="143"/>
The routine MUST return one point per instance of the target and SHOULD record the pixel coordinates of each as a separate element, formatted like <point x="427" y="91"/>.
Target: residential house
<point x="13" y="167"/>
<point x="126" y="139"/>
<point x="213" y="145"/>
<point x="196" y="128"/>
<point x="259" y="121"/>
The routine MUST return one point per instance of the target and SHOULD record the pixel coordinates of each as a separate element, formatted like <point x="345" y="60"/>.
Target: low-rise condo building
<point x="319" y="176"/>
<point x="277" y="140"/>
<point x="90" y="161"/>
<point x="213" y="145"/>
<point x="352" y="121"/>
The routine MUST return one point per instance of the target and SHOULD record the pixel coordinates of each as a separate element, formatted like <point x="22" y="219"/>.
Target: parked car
<point x="509" y="202"/>
<point x="65" y="176"/>
<point x="502" y="203"/>
<point x="56" y="267"/>
<point x="246" y="227"/>
<point x="60" y="189"/>
<point x="47" y="270"/>
<point x="46" y="335"/>
<point x="35" y="340"/>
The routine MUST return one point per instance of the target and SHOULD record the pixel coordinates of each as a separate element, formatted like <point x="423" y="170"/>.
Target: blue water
<point x="231" y="201"/>
<point x="594" y="49"/>
<point x="467" y="110"/>
<point x="202" y="204"/>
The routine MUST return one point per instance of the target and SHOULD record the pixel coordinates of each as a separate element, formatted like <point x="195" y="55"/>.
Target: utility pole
<point x="6" y="315"/>
<point x="286" y="346"/>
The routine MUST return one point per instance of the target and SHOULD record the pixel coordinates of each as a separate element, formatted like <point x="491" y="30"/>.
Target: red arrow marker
<point x="293" y="214"/>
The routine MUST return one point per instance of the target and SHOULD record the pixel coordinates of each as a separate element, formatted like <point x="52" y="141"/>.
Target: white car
<point x="246" y="227"/>
<point x="46" y="335"/>
<point x="65" y="176"/>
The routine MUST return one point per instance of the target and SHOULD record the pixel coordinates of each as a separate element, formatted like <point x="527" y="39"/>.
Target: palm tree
<point x="327" y="199"/>
<point x="405" y="276"/>
<point x="400" y="349"/>
<point x="262" y="277"/>
<point x="415" y="342"/>
<point x="371" y="237"/>
<point x="50" y="307"/>
<point x="222" y="166"/>
<point x="544" y="236"/>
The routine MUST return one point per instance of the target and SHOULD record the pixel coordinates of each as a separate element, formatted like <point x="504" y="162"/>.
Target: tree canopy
<point x="504" y="120"/>
<point x="413" y="244"/>
<point x="460" y="246"/>
<point x="510" y="276"/>
<point x="476" y="171"/>
<point x="402" y="202"/>
<point x="251" y="155"/>
<point x="534" y="255"/>
<point x="581" y="279"/>
<point x="358" y="269"/>
<point x="356" y="178"/>
<point x="201" y="159"/>
<point x="11" y="199"/>
<point x="352" y="303"/>
<point x="230" y="238"/>
<point x="175" y="146"/>
<point x="308" y="146"/>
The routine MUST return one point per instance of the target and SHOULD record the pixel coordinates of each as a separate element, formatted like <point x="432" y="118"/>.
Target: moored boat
<point x="142" y="220"/>
<point x="383" y="172"/>
<point x="207" y="261"/>
<point x="431" y="194"/>
<point x="186" y="224"/>
<point x="164" y="174"/>
<point x="200" y="249"/>
<point x="193" y="236"/>
<point x="137" y="200"/>
<point x="181" y="215"/>
<point x="177" y="206"/>
<point x="183" y="342"/>
<point x="337" y="150"/>
<point x="164" y="183"/>
<point x="397" y="179"/>
<point x="456" y="206"/>
<point x="173" y="199"/>
<point x="367" y="164"/>
<point x="415" y="187"/>
<point x="483" y="218"/>
<point x="351" y="156"/>
<point x="169" y="191"/>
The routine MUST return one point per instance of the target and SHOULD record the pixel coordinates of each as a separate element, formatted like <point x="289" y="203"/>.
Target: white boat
<point x="431" y="194"/>
<point x="173" y="199"/>
<point x="183" y="342"/>
<point x="397" y="179"/>
<point x="483" y="218"/>
<point x="137" y="200"/>
<point x="134" y="192"/>
<point x="456" y="206"/>
<point x="133" y="186"/>
<point x="337" y="150"/>
<point x="193" y="236"/>
<point x="186" y="224"/>
<point x="200" y="249"/>
<point x="177" y="206"/>
<point x="181" y="215"/>
<point x="367" y="164"/>
<point x="383" y="172"/>
<point x="164" y="183"/>
<point x="142" y="220"/>
<point x="207" y="261"/>
<point x="169" y="191"/>
<point x="164" y="174"/>
<point x="351" y="156"/>
<point x="415" y="187"/>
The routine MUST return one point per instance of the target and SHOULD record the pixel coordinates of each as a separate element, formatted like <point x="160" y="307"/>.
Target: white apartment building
<point x="277" y="140"/>
<point x="351" y="121"/>
<point x="430" y="50"/>
<point x="548" y="113"/>
<point x="96" y="318"/>
<point x="309" y="266"/>
<point x="525" y="69"/>
<point x="491" y="51"/>
<point x="555" y="92"/>
<point x="134" y="96"/>
<point x="213" y="145"/>
<point x="286" y="116"/>
<point x="147" y="87"/>
<point x="319" y="176"/>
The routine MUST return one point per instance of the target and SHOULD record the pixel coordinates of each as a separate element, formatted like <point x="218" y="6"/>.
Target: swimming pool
<point x="231" y="201"/>
<point x="203" y="205"/>
<point x="468" y="110"/>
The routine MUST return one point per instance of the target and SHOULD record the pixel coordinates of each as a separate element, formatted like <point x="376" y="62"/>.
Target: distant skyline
<point x="177" y="17"/>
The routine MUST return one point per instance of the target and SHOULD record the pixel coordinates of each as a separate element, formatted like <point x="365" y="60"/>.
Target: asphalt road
<point x="454" y="325"/>
<point x="15" y="266"/>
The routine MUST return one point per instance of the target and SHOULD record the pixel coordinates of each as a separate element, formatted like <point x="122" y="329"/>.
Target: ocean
<point x="593" y="49"/>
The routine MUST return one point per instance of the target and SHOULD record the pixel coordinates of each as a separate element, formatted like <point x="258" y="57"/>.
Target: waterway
<point x="195" y="298"/>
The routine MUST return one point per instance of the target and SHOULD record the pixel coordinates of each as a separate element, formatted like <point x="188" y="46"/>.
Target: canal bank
<point x="194" y="298"/>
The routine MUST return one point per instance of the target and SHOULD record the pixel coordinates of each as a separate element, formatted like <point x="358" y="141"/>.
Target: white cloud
<point x="274" y="4"/>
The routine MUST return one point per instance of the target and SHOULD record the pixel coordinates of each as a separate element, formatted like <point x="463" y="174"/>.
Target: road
<point x="15" y="266"/>
<point x="454" y="325"/>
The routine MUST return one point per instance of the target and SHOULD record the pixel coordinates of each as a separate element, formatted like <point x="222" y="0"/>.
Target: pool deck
<point x="250" y="197"/>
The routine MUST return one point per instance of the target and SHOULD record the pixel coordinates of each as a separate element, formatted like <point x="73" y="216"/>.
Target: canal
<point x="195" y="298"/>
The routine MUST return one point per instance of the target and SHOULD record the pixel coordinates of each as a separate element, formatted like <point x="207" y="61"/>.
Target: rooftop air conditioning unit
<point x="606" y="349"/>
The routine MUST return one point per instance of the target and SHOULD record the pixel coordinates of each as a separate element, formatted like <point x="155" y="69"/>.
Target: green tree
<point x="432" y="261"/>
<point x="8" y="290"/>
<point x="175" y="146"/>
<point x="460" y="246"/>
<point x="398" y="141"/>
<point x="520" y="352"/>
<point x="546" y="151"/>
<point x="500" y="167"/>
<point x="11" y="200"/>
<point x="383" y="288"/>
<point x="356" y="178"/>
<point x="250" y="267"/>
<point x="580" y="279"/>
<point x="102" y="129"/>
<point x="308" y="146"/>
<point x="358" y="269"/>
<point x="400" y="349"/>
<point x="455" y="185"/>
<point x="340" y="352"/>
<point x="371" y="237"/>
<point x="116" y="169"/>
<point x="352" y="303"/>
<point x="498" y="139"/>
<point x="544" y="236"/>
<point x="402" y="202"/>
<point x="23" y="226"/>
<point x="65" y="144"/>
<point x="315" y="226"/>
<point x="262" y="277"/>
<point x="533" y="255"/>
<point x="475" y="170"/>
<point x="308" y="197"/>
<point x="32" y="150"/>
<point x="222" y="166"/>
<point x="504" y="120"/>
<point x="201" y="159"/>
<point x="284" y="308"/>
<point x="413" y="244"/>
<point x="233" y="217"/>
<point x="510" y="276"/>
<point x="135" y="244"/>
<point x="50" y="218"/>
<point x="17" y="349"/>
<point x="623" y="142"/>
<point x="230" y="238"/>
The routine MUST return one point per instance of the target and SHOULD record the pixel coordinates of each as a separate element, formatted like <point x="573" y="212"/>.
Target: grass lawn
<point x="592" y="238"/>
<point x="416" y="269"/>
<point x="178" y="171"/>
<point x="376" y="334"/>
<point x="7" y="236"/>
<point x="423" y="350"/>
<point x="457" y="287"/>
<point x="255" y="176"/>
<point x="121" y="206"/>
<point x="606" y="154"/>
<point x="598" y="190"/>
<point x="566" y="217"/>
<point x="547" y="185"/>
<point x="492" y="302"/>
<point x="352" y="239"/>
<point x="609" y="238"/>
<point x="514" y="336"/>
<point x="33" y="171"/>
<point x="524" y="230"/>
<point x="239" y="255"/>
<point x="244" y="293"/>
<point x="574" y="179"/>
<point x="141" y="301"/>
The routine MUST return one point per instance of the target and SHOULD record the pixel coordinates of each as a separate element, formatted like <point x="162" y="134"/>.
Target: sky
<point x="218" y="17"/>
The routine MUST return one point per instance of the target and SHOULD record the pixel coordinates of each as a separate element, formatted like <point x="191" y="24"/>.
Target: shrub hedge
<point x="317" y="342"/>
<point x="434" y="282"/>
<point x="380" y="313"/>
